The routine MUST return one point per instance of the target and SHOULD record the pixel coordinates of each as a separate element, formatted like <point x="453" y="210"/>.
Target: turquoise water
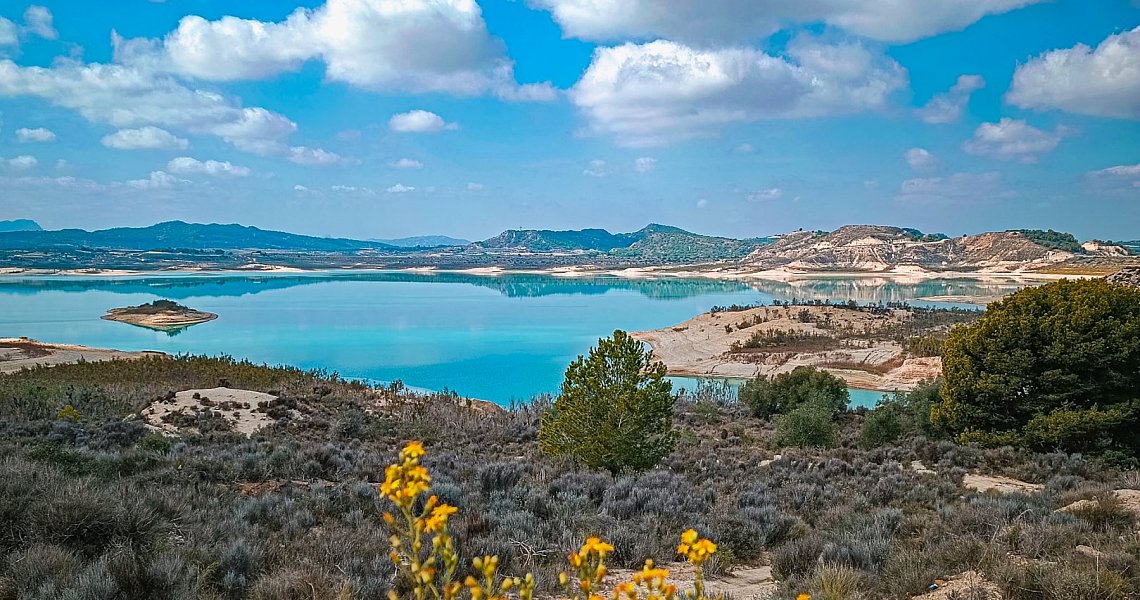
<point x="498" y="338"/>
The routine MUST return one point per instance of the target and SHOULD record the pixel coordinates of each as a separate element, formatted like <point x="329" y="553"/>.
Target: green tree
<point x="1063" y="357"/>
<point x="883" y="425"/>
<point x="615" y="409"/>
<point x="807" y="425"/>
<point x="768" y="396"/>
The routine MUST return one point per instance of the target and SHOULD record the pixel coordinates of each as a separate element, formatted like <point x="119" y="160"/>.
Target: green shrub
<point x="882" y="426"/>
<point x="615" y="410"/>
<point x="768" y="396"/>
<point x="807" y="426"/>
<point x="1056" y="364"/>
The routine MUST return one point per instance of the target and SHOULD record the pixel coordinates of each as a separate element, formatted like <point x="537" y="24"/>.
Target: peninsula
<point x="160" y="315"/>
<point x="889" y="348"/>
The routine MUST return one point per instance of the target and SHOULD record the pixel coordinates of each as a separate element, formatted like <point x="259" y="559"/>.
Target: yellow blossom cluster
<point x="430" y="567"/>
<point x="407" y="480"/>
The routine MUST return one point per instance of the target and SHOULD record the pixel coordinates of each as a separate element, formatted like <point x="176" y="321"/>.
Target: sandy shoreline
<point x="898" y="275"/>
<point x="21" y="353"/>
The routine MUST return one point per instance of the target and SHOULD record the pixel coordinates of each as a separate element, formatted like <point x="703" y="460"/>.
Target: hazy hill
<point x="19" y="225"/>
<point x="177" y="234"/>
<point x="663" y="243"/>
<point x="878" y="248"/>
<point x="425" y="241"/>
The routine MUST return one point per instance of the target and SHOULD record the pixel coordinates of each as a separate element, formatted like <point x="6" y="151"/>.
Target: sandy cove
<point x="703" y="347"/>
<point x="21" y="353"/>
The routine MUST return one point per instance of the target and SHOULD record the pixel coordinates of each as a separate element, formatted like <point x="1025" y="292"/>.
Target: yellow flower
<point x="413" y="450"/>
<point x="803" y="597"/>
<point x="596" y="546"/>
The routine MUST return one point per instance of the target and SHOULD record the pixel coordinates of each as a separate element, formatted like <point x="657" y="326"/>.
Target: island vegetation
<point x="160" y="315"/>
<point x="793" y="491"/>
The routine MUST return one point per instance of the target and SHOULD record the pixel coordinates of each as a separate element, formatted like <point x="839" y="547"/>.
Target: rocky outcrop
<point x="1129" y="276"/>
<point x="872" y="248"/>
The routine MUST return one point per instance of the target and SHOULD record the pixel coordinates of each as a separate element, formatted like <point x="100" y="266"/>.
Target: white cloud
<point x="406" y="163"/>
<point x="1104" y="82"/>
<point x="768" y="194"/>
<point x="300" y="188"/>
<point x="474" y="187"/>
<point x="158" y="180"/>
<point x="1119" y="171"/>
<point x="702" y="203"/>
<point x="127" y="97"/>
<point x="145" y="138"/>
<point x="186" y="165"/>
<point x="947" y="107"/>
<point x="959" y="188"/>
<point x="419" y="121"/>
<point x="1011" y="139"/>
<point x="22" y="163"/>
<point x="69" y="183"/>
<point x="38" y="21"/>
<point x="921" y="159"/>
<point x="744" y="149"/>
<point x="656" y="93"/>
<point x="1121" y="179"/>
<point x="9" y="33"/>
<point x="645" y="164"/>
<point x="400" y="188"/>
<point x="303" y="155"/>
<point x="387" y="45"/>
<point x="596" y="168"/>
<point x="39" y="134"/>
<point x="718" y="21"/>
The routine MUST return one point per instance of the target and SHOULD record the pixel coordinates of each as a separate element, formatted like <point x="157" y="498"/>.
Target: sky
<point x="386" y="118"/>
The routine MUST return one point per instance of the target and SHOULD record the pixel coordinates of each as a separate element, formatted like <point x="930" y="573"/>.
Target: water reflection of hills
<point x="518" y="285"/>
<point x="510" y="285"/>
<point x="874" y="289"/>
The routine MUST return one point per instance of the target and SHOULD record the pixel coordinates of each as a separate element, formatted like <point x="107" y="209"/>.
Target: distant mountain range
<point x="19" y="225"/>
<point x="177" y="234"/>
<point x="661" y="242"/>
<point x="860" y="248"/>
<point x="425" y="241"/>
<point x="879" y="248"/>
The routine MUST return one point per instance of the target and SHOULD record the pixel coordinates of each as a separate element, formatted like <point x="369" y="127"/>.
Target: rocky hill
<point x="1129" y="276"/>
<point x="659" y="243"/>
<point x="19" y="225"/>
<point x="870" y="248"/>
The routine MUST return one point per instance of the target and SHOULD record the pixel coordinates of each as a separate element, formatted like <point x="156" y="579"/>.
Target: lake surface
<point x="499" y="338"/>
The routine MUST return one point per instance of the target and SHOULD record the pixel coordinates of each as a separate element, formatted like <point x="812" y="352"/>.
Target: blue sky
<point x="382" y="118"/>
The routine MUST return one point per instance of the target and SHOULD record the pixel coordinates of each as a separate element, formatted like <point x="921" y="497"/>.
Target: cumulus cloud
<point x="9" y="33"/>
<point x="400" y="188"/>
<point x="719" y="21"/>
<point x="1102" y="82"/>
<point x="947" y="107"/>
<point x="768" y="194"/>
<point x="21" y="163"/>
<point x="406" y="163"/>
<point x="1011" y="139"/>
<point x="920" y="159"/>
<point x="474" y="187"/>
<point x="38" y="21"/>
<point x="645" y="164"/>
<point x="158" y="180"/>
<point x="596" y="168"/>
<point x="744" y="149"/>
<point x="127" y="97"/>
<point x="304" y="155"/>
<point x="144" y="138"/>
<point x="186" y="165"/>
<point x="39" y="134"/>
<point x="419" y="121"/>
<point x="659" y="92"/>
<point x="387" y="45"/>
<point x="1119" y="179"/>
<point x="959" y="188"/>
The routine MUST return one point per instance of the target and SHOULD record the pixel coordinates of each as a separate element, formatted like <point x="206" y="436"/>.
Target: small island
<point x="160" y="315"/>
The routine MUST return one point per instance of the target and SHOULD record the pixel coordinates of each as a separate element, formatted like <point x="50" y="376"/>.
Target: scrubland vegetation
<point x="93" y="505"/>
